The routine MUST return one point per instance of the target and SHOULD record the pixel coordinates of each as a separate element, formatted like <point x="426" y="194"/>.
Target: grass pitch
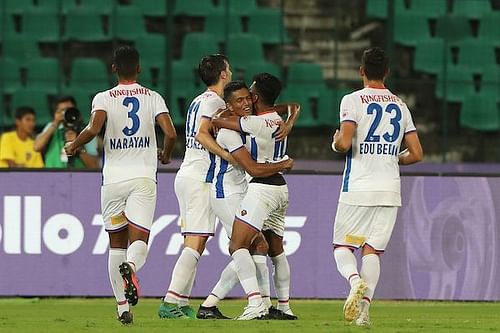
<point x="97" y="315"/>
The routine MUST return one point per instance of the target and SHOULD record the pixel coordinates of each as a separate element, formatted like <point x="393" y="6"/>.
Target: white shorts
<point x="264" y="202"/>
<point x="225" y="209"/>
<point x="356" y="226"/>
<point x="197" y="216"/>
<point x="132" y="201"/>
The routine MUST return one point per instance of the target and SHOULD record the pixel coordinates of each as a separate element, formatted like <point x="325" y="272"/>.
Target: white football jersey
<point x="371" y="174"/>
<point x="228" y="178"/>
<point x="262" y="145"/>
<point x="130" y="149"/>
<point x="198" y="163"/>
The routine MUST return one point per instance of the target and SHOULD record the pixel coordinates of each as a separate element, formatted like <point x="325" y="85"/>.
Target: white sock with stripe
<point x="228" y="279"/>
<point x="137" y="253"/>
<point x="263" y="278"/>
<point x="281" y="279"/>
<point x="370" y="272"/>
<point x="117" y="256"/>
<point x="182" y="275"/>
<point x="346" y="264"/>
<point x="245" y="268"/>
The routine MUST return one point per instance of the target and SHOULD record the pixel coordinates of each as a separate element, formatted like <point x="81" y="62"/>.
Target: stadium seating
<point x="244" y="49"/>
<point x="17" y="6"/>
<point x="455" y="85"/>
<point x="480" y="112"/>
<point x="127" y="23"/>
<point x="195" y="8"/>
<point x="42" y="25"/>
<point x="36" y="99"/>
<point x="220" y="27"/>
<point x="472" y="9"/>
<point x="475" y="54"/>
<point x="429" y="8"/>
<point x="11" y="75"/>
<point x="430" y="54"/>
<point x="196" y="45"/>
<point x="155" y="8"/>
<point x="306" y="76"/>
<point x="453" y="28"/>
<point x="410" y="29"/>
<point x="260" y="67"/>
<point x="489" y="31"/>
<point x="88" y="74"/>
<point x="293" y="94"/>
<point x="241" y="7"/>
<point x="7" y="26"/>
<point x="380" y="8"/>
<point x="268" y="25"/>
<point x="83" y="100"/>
<point x="153" y="50"/>
<point x="490" y="81"/>
<point x="85" y="26"/>
<point x="43" y="74"/>
<point x="21" y="48"/>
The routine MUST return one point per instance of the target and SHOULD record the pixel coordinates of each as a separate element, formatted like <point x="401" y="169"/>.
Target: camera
<point x="73" y="120"/>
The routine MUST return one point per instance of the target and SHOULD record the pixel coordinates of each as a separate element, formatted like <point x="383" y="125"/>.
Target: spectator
<point x="16" y="147"/>
<point x="53" y="137"/>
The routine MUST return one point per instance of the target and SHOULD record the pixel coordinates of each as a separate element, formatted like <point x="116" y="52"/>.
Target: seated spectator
<point x="16" y="147"/>
<point x="55" y="134"/>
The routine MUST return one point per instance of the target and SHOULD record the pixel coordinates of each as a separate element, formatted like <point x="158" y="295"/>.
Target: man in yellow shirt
<point x="16" y="147"/>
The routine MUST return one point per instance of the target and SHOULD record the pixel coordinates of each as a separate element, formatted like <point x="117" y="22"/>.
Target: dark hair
<point x="232" y="87"/>
<point x="65" y="98"/>
<point x="210" y="67"/>
<point x="375" y="63"/>
<point x="126" y="60"/>
<point x="24" y="110"/>
<point x="268" y="87"/>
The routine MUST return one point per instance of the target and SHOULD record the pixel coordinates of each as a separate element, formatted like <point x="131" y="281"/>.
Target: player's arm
<point x="170" y="136"/>
<point x="293" y="112"/>
<point x="230" y="122"/>
<point x="97" y="120"/>
<point x="206" y="138"/>
<point x="259" y="170"/>
<point x="413" y="152"/>
<point x="342" y="139"/>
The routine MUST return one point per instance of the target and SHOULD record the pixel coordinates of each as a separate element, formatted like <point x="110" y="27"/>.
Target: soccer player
<point x="266" y="197"/>
<point x="230" y="187"/>
<point x="374" y="123"/>
<point x="128" y="192"/>
<point x="193" y="183"/>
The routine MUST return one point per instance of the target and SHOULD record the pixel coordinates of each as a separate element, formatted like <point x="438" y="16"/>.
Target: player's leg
<point x="259" y="249"/>
<point x="348" y="234"/>
<point x="383" y="221"/>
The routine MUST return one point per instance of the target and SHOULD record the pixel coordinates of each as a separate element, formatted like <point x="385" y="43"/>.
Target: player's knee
<point x="260" y="247"/>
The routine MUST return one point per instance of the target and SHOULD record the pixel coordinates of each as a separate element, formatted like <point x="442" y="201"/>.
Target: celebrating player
<point x="374" y="123"/>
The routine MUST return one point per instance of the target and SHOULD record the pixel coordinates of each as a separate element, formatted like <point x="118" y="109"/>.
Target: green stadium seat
<point x="154" y="8"/>
<point x="489" y="30"/>
<point x="410" y="29"/>
<point x="11" y="75"/>
<point x="89" y="74"/>
<point x="43" y="74"/>
<point x="480" y="112"/>
<point x="127" y="23"/>
<point x="380" y="8"/>
<point x="42" y="25"/>
<point x="429" y="8"/>
<point x="306" y="76"/>
<point x="98" y="6"/>
<point x="84" y="26"/>
<point x="153" y="50"/>
<point x="459" y="83"/>
<point x="36" y="99"/>
<point x="490" y="81"/>
<point x="472" y="9"/>
<point x="329" y="106"/>
<point x="293" y="94"/>
<point x="429" y="56"/>
<point x="260" y="67"/>
<point x="17" y="6"/>
<point x="269" y="26"/>
<point x="243" y="49"/>
<point x="195" y="8"/>
<point x="453" y="28"/>
<point x="196" y="45"/>
<point x="240" y="7"/>
<point x="475" y="54"/>
<point x="7" y="25"/>
<point x="21" y="48"/>
<point x="215" y="24"/>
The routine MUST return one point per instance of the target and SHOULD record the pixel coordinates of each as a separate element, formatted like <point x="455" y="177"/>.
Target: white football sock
<point x="115" y="258"/>
<point x="245" y="268"/>
<point x="184" y="301"/>
<point x="370" y="272"/>
<point x="182" y="275"/>
<point x="228" y="279"/>
<point x="263" y="278"/>
<point x="346" y="264"/>
<point x="281" y="278"/>
<point x="137" y="253"/>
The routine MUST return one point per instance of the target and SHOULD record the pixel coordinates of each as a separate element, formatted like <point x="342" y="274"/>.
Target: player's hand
<point x="70" y="149"/>
<point x="220" y="113"/>
<point x="288" y="164"/>
<point x="228" y="157"/>
<point x="162" y="157"/>
<point x="283" y="131"/>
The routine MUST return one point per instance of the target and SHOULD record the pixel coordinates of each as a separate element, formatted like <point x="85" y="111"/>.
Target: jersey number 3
<point x="132" y="114"/>
<point x="377" y="108"/>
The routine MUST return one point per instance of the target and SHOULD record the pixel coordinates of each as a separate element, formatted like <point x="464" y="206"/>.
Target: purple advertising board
<point x="445" y="244"/>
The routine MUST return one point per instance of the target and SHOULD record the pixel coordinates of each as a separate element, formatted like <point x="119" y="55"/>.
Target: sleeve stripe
<point x="232" y="151"/>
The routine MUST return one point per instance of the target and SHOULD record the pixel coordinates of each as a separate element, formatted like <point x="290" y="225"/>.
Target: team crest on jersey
<point x="243" y="212"/>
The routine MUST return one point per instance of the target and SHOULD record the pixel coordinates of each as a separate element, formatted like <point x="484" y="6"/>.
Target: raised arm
<point x="413" y="152"/>
<point x="94" y="127"/>
<point x="342" y="139"/>
<point x="205" y="137"/>
<point x="259" y="170"/>
<point x="170" y="135"/>
<point x="293" y="111"/>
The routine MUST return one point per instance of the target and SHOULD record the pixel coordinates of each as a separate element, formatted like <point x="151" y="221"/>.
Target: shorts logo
<point x="118" y="219"/>
<point x="243" y="212"/>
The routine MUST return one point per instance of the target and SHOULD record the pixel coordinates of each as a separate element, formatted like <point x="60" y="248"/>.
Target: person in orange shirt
<point x="16" y="147"/>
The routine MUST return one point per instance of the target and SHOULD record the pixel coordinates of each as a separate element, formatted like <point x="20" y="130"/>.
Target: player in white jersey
<point x="230" y="187"/>
<point x="266" y="198"/>
<point x="128" y="193"/>
<point x="374" y="124"/>
<point x="193" y="183"/>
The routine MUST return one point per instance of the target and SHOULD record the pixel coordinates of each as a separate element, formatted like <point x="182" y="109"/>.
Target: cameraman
<point x="55" y="135"/>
